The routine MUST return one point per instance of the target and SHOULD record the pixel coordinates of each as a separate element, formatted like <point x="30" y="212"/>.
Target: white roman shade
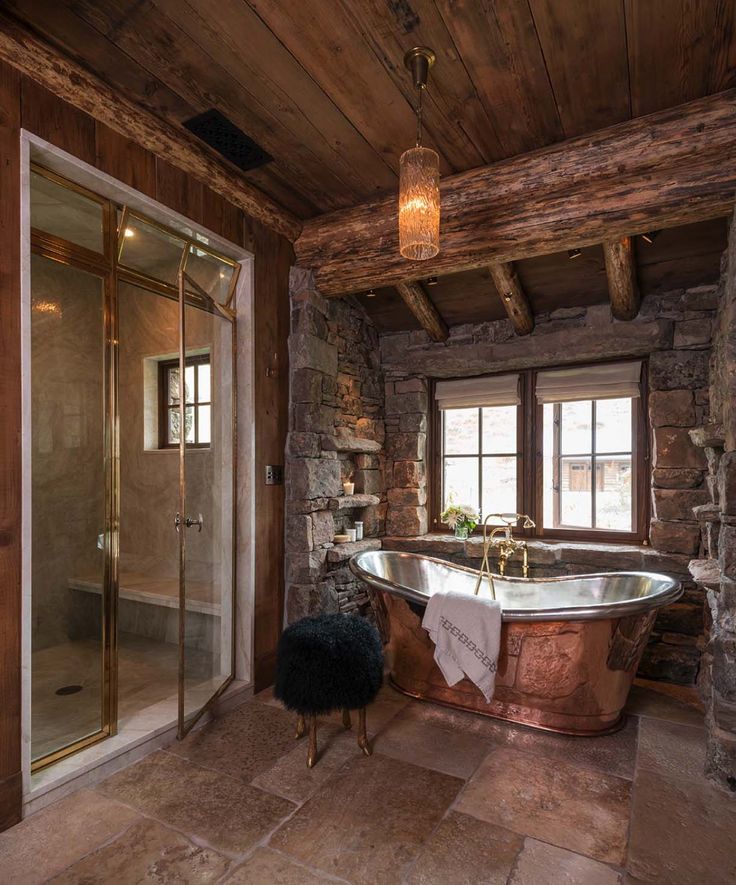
<point x="468" y="393"/>
<point x="610" y="381"/>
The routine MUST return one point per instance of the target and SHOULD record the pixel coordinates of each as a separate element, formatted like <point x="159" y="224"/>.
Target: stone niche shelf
<point x="347" y="443"/>
<point x="706" y="572"/>
<point x="343" y="552"/>
<point x="352" y="502"/>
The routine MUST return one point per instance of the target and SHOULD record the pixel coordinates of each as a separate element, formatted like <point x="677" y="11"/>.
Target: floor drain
<point x="68" y="689"/>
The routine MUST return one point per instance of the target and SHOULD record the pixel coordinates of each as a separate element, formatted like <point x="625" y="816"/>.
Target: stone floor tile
<point x="291" y="778"/>
<point x="451" y="751"/>
<point x="671" y="749"/>
<point x="147" y="852"/>
<point x="387" y="705"/>
<point x="577" y="808"/>
<point x="266" y="867"/>
<point x="221" y="811"/>
<point x="682" y="832"/>
<point x="464" y="850"/>
<point x="614" y="753"/>
<point x="242" y="743"/>
<point x="452" y="719"/>
<point x="265" y="696"/>
<point x="658" y="700"/>
<point x="687" y="694"/>
<point x="368" y="823"/>
<point x="540" y="862"/>
<point x="49" y="841"/>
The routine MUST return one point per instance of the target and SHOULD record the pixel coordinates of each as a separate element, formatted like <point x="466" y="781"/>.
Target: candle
<point x="348" y="487"/>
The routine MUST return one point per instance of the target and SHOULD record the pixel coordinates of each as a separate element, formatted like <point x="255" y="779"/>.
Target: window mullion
<point x="556" y="464"/>
<point x="593" y="467"/>
<point x="480" y="462"/>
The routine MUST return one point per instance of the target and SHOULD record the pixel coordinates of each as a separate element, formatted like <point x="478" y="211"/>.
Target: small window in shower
<point x="197" y="390"/>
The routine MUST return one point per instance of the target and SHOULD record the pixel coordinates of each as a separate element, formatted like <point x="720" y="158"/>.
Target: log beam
<point x="621" y="272"/>
<point x="418" y="302"/>
<point x="669" y="168"/>
<point x="514" y="299"/>
<point x="59" y="74"/>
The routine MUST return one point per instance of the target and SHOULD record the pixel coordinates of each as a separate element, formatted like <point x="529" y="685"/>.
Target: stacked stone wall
<point x="336" y="433"/>
<point x="715" y="568"/>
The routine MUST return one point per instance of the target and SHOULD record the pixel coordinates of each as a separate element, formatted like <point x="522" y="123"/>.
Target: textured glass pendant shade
<point x="419" y="204"/>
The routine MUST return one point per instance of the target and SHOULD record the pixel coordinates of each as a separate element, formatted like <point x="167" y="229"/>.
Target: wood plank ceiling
<point x="320" y="84"/>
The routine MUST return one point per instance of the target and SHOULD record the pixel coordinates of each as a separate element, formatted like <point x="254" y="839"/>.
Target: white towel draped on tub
<point x="466" y="631"/>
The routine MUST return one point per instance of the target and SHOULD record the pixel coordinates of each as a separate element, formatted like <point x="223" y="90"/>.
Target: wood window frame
<point x="164" y="407"/>
<point x="530" y="480"/>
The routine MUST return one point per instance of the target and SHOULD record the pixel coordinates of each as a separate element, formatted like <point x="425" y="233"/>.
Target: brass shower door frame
<point x="190" y="293"/>
<point x="107" y="266"/>
<point x="103" y="266"/>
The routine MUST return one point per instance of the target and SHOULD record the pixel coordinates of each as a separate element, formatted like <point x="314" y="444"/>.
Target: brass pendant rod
<point x="419" y="116"/>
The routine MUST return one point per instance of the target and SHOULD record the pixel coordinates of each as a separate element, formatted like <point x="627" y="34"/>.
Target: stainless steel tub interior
<point x="569" y="597"/>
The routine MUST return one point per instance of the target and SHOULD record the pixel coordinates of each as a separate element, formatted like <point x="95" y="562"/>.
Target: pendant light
<point x="419" y="177"/>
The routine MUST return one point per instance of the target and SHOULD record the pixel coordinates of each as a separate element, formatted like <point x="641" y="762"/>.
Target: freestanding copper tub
<point x="570" y="645"/>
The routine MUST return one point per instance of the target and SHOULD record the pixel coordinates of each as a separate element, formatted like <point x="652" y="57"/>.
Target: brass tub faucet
<point x="502" y="539"/>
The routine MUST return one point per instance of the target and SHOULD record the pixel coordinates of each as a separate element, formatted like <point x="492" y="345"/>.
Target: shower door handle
<point x="189" y="522"/>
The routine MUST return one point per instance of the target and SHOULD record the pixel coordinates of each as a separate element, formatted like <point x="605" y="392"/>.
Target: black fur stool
<point x="327" y="663"/>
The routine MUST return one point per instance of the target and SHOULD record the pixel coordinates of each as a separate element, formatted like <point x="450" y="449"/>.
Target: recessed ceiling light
<point x="129" y="232"/>
<point x="370" y="294"/>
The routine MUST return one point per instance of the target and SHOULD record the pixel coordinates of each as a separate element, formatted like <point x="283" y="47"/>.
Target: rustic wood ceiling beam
<point x="419" y="303"/>
<point x="621" y="272"/>
<point x="513" y="297"/>
<point x="663" y="170"/>
<point x="65" y="78"/>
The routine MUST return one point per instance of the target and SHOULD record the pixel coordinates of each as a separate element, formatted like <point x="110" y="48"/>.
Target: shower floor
<point x="147" y="675"/>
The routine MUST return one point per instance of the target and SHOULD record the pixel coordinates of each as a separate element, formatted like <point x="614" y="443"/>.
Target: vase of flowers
<point x="461" y="518"/>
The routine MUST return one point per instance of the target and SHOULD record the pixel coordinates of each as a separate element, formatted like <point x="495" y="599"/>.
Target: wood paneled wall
<point x="271" y="380"/>
<point x="10" y="450"/>
<point x="24" y="103"/>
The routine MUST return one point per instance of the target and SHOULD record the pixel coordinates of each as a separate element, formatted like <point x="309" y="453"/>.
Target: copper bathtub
<point x="570" y="645"/>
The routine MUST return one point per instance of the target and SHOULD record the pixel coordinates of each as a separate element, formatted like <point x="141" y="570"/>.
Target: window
<point x="567" y="446"/>
<point x="480" y="442"/>
<point x="587" y="483"/>
<point x="198" y="399"/>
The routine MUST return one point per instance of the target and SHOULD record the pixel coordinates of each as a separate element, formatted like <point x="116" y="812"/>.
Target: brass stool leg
<point x="301" y="727"/>
<point x="312" y="751"/>
<point x="362" y="736"/>
<point x="346" y="721"/>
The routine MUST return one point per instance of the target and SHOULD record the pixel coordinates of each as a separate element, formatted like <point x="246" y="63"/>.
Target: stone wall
<point x="336" y="432"/>
<point x="673" y="330"/>
<point x="715" y="570"/>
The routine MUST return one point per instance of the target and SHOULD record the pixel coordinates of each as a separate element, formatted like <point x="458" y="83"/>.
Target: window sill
<point x="589" y="555"/>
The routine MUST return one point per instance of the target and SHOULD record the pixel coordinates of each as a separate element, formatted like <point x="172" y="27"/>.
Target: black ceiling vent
<point x="224" y="136"/>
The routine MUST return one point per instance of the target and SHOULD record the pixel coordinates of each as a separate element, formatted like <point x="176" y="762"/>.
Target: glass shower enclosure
<point x="132" y="466"/>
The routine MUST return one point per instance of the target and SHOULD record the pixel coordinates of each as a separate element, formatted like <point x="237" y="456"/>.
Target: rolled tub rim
<point x="597" y="611"/>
